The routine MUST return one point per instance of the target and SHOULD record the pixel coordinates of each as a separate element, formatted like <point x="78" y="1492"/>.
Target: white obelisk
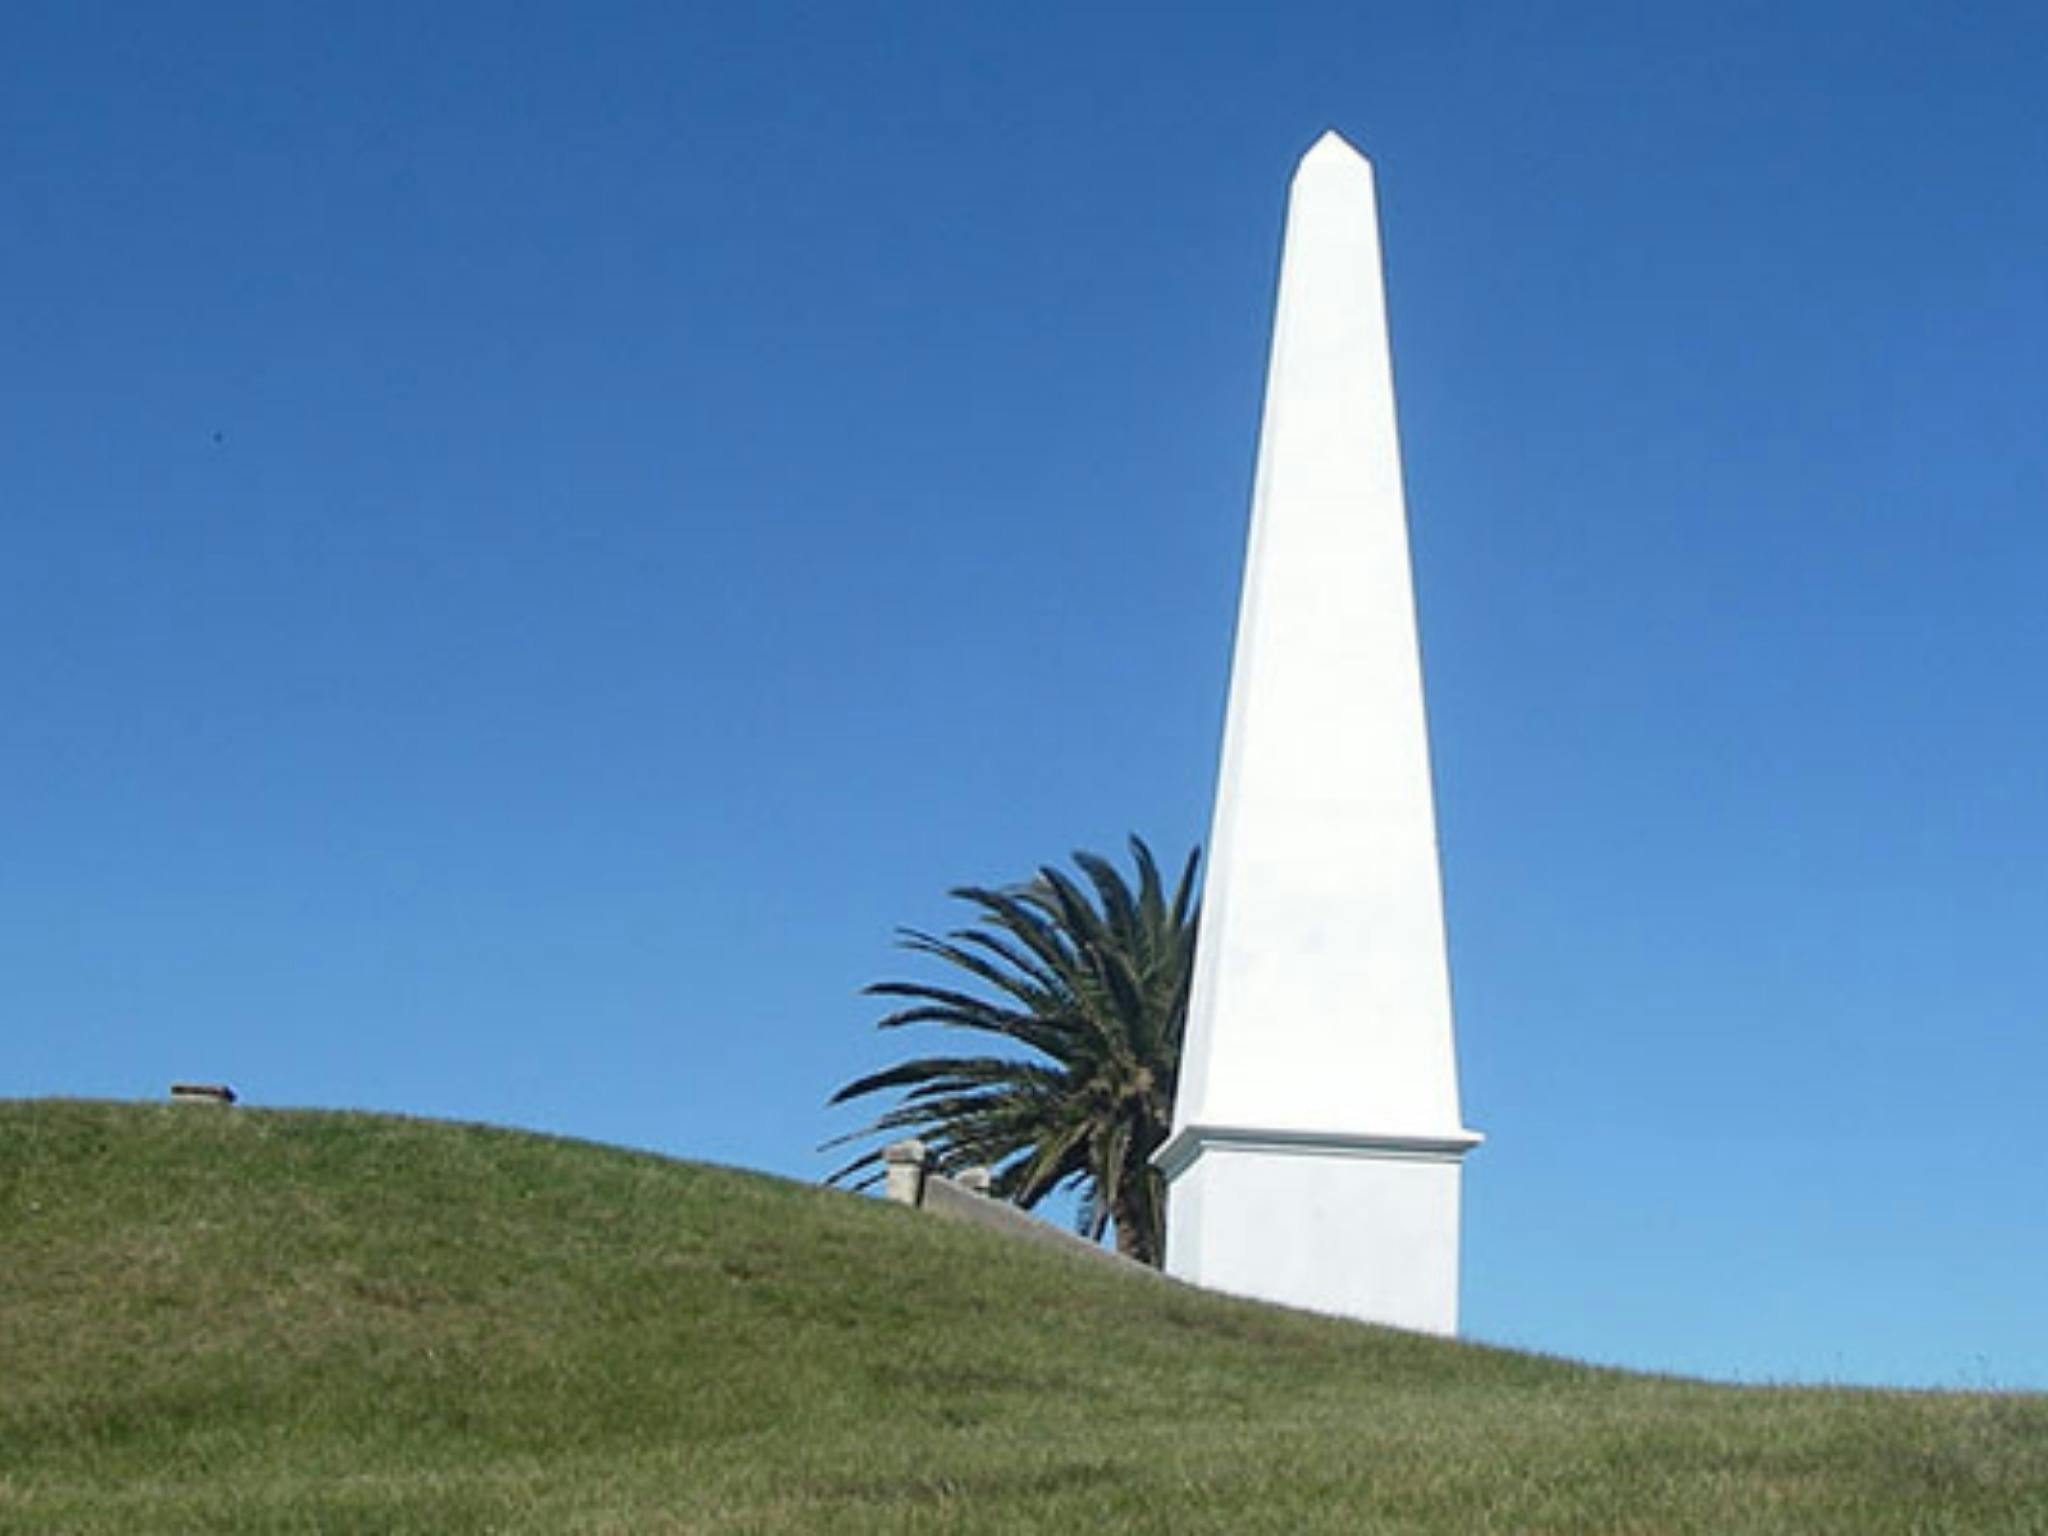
<point x="1317" y="1141"/>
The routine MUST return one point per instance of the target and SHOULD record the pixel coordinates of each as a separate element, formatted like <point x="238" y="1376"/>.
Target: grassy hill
<point x="234" y="1320"/>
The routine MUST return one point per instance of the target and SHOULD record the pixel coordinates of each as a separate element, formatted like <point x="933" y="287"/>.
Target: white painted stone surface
<point x="1317" y="1134"/>
<point x="1367" y="1230"/>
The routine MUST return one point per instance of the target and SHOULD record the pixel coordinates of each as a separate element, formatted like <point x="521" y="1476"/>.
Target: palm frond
<point x="1088" y="980"/>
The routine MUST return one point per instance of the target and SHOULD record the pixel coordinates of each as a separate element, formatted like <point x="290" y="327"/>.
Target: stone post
<point x="903" y="1180"/>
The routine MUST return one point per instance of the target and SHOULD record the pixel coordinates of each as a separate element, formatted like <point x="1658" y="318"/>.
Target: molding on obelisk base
<point x="1317" y="1148"/>
<point x="1190" y="1141"/>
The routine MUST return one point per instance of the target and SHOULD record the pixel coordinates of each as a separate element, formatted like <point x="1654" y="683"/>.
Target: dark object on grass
<point x="202" y="1093"/>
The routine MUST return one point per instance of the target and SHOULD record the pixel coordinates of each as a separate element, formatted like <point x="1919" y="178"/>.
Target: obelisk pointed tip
<point x="1333" y="149"/>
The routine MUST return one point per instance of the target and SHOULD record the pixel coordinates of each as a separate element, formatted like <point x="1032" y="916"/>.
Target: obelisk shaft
<point x="1319" y="1036"/>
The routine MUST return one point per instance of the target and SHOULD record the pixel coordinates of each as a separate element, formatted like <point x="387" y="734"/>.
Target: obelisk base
<point x="1364" y="1227"/>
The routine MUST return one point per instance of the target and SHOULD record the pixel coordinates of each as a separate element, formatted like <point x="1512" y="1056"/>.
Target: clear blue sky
<point x="531" y="537"/>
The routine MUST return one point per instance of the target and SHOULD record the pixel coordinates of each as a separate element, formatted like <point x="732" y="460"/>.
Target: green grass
<point x="234" y="1320"/>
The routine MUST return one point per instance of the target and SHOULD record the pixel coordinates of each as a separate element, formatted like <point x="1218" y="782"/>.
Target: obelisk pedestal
<point x="1317" y="1144"/>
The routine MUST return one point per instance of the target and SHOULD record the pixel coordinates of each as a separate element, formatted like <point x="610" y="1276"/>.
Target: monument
<point x="1317" y="1142"/>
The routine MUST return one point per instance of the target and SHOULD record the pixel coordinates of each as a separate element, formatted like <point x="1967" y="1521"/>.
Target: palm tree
<point x="1092" y="981"/>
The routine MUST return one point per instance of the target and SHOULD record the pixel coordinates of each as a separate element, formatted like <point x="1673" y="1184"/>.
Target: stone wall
<point x="912" y="1181"/>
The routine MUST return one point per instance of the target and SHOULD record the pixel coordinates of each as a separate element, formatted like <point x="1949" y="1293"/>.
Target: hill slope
<point x="233" y="1320"/>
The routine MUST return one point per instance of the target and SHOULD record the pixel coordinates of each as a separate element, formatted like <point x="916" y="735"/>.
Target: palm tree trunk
<point x="1140" y="1219"/>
